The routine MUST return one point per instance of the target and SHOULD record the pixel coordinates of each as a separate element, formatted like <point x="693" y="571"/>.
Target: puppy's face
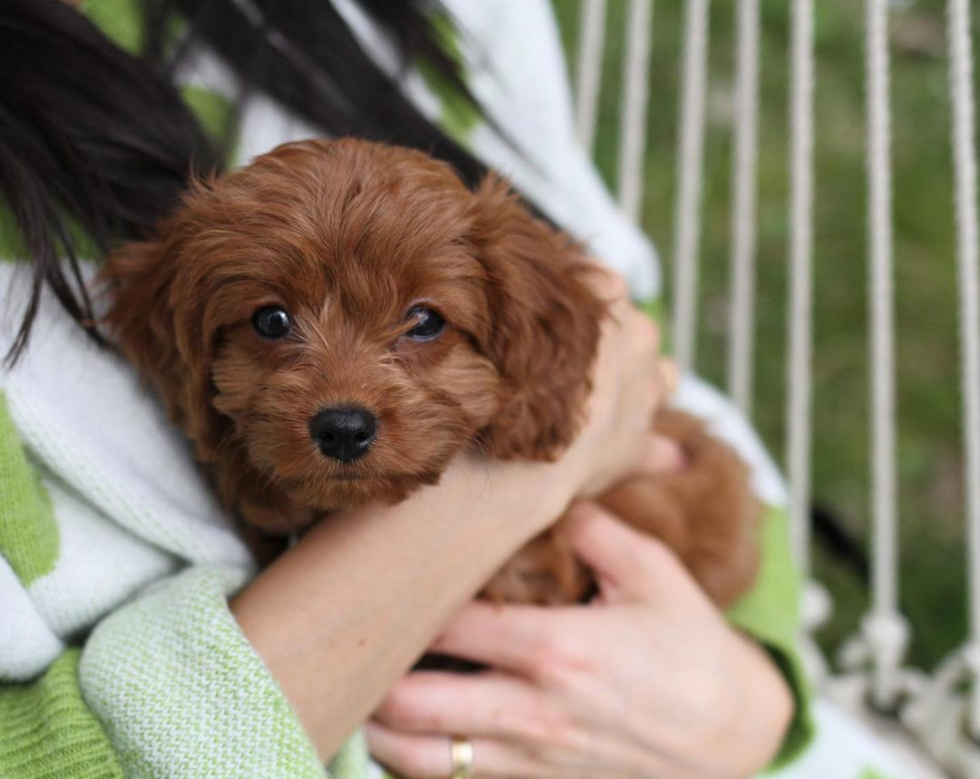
<point x="348" y="316"/>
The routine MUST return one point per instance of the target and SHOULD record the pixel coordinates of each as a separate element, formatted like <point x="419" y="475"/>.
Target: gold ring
<point x="462" y="758"/>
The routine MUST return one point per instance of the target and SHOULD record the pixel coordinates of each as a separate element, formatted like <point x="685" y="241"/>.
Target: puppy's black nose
<point x="344" y="433"/>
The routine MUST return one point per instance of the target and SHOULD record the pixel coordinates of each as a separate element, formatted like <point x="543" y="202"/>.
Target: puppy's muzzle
<point x="344" y="434"/>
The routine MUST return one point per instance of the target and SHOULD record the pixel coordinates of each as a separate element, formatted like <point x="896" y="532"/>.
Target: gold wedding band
<point x="462" y="758"/>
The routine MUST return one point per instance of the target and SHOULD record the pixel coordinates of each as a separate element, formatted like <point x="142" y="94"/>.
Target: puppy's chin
<point x="352" y="489"/>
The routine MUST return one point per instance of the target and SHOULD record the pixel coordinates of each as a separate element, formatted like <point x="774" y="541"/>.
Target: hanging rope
<point x="592" y="30"/>
<point x="968" y="257"/>
<point x="633" y="121"/>
<point x="741" y="342"/>
<point x="884" y="629"/>
<point x="800" y="276"/>
<point x="687" y="225"/>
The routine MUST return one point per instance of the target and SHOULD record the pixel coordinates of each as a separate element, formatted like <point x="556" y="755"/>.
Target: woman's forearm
<point x="340" y="617"/>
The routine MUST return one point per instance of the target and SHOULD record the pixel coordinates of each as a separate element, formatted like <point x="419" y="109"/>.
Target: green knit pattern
<point x="871" y="773"/>
<point x="770" y="614"/>
<point x="215" y="113"/>
<point x="352" y="761"/>
<point x="120" y="20"/>
<point x="458" y="115"/>
<point x="49" y="733"/>
<point x="182" y="693"/>
<point x="28" y="531"/>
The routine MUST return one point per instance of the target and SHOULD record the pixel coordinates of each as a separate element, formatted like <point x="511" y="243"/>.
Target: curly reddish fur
<point x="706" y="513"/>
<point x="347" y="236"/>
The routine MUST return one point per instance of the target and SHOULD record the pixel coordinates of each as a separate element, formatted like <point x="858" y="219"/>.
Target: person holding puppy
<point x="136" y="635"/>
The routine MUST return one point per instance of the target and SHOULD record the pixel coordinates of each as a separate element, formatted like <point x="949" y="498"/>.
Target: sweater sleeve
<point x="166" y="686"/>
<point x="181" y="693"/>
<point x="47" y="731"/>
<point x="770" y="614"/>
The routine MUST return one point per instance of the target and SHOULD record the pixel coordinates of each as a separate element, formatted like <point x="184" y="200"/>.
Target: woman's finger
<point x="409" y="755"/>
<point x="663" y="455"/>
<point x="503" y="636"/>
<point x="413" y="756"/>
<point x="628" y="564"/>
<point x="486" y="704"/>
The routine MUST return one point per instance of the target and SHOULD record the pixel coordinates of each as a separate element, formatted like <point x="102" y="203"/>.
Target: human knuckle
<point x="568" y="737"/>
<point x="401" y="706"/>
<point x="414" y="759"/>
<point x="548" y="729"/>
<point x="553" y="652"/>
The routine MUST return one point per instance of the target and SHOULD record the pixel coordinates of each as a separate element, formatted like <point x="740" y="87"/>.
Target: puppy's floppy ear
<point x="156" y="318"/>
<point x="543" y="329"/>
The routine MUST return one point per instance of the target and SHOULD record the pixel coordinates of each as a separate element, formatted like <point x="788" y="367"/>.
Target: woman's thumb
<point x="623" y="561"/>
<point x="661" y="455"/>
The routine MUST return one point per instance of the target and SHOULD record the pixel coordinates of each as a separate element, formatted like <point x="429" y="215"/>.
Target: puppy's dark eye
<point x="271" y="322"/>
<point x="428" y="325"/>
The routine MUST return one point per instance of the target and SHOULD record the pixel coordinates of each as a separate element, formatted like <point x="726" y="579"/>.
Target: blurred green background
<point x="930" y="467"/>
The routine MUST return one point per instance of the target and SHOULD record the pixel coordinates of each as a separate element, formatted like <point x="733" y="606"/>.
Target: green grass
<point x="930" y="468"/>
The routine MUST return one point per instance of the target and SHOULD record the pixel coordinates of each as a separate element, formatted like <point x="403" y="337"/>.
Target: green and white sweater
<point x="118" y="653"/>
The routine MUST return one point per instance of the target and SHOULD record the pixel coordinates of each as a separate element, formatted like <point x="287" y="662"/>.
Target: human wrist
<point x="765" y="704"/>
<point x="745" y="711"/>
<point x="533" y="495"/>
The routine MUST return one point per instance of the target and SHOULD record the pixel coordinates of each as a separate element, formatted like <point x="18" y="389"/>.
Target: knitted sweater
<point x="118" y="653"/>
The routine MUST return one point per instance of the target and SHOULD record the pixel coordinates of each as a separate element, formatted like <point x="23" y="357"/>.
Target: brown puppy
<point x="332" y="323"/>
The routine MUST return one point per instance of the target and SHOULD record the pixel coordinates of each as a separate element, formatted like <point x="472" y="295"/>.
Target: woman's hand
<point x="647" y="681"/>
<point x="630" y="382"/>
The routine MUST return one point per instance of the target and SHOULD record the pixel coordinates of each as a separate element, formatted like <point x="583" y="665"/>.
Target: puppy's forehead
<point x="366" y="225"/>
<point x="355" y="185"/>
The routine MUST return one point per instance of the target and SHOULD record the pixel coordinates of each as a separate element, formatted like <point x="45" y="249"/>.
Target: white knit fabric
<point x="28" y="645"/>
<point x="147" y="661"/>
<point x="130" y="503"/>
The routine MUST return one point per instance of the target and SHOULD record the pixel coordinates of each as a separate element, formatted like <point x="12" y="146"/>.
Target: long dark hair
<point x="96" y="144"/>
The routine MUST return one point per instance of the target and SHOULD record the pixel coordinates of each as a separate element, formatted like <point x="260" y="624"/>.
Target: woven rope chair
<point x="931" y="720"/>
